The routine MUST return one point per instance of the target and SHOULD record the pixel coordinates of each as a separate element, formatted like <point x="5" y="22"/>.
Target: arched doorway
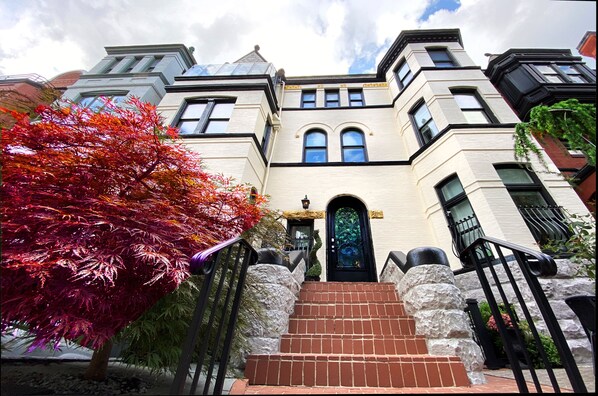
<point x="349" y="249"/>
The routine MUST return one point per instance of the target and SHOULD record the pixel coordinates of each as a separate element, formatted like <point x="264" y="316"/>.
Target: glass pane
<point x="403" y="71"/>
<point x="216" y="127"/>
<point x="315" y="139"/>
<point x="568" y="69"/>
<point x="514" y="176"/>
<point x="429" y="131"/>
<point x="86" y="101"/>
<point x="439" y="55"/>
<point x="222" y="110"/>
<point x="194" y="110"/>
<point x="355" y="96"/>
<point x="467" y="101"/>
<point x="476" y="117"/>
<point x="309" y="105"/>
<point x="331" y="104"/>
<point x="309" y="97"/>
<point x="187" y="127"/>
<point x="528" y="198"/>
<point x="444" y="64"/>
<point x="118" y="99"/>
<point x="545" y="69"/>
<point x="451" y="189"/>
<point x="577" y="79"/>
<point x="461" y="210"/>
<point x="354" y="155"/>
<point x="553" y="78"/>
<point x="331" y="95"/>
<point x="349" y="242"/>
<point x="352" y="138"/>
<point x="242" y="69"/>
<point x="422" y="115"/>
<point x="259" y="68"/>
<point x="226" y="69"/>
<point x="315" y="155"/>
<point x="407" y="79"/>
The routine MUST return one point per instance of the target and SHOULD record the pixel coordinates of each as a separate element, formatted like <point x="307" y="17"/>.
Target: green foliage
<point x="570" y="120"/>
<point x="315" y="268"/>
<point x="154" y="340"/>
<point x="547" y="342"/>
<point x="580" y="247"/>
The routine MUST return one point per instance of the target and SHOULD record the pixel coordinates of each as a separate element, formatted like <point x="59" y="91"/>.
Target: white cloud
<point x="304" y="37"/>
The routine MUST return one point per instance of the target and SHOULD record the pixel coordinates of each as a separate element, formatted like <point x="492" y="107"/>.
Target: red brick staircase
<point x="353" y="335"/>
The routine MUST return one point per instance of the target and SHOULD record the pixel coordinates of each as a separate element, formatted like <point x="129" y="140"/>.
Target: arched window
<point x="353" y="144"/>
<point x="314" y="147"/>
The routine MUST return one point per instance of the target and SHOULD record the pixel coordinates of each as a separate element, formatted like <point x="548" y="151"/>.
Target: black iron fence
<point x="522" y="302"/>
<point x="546" y="223"/>
<point x="208" y="343"/>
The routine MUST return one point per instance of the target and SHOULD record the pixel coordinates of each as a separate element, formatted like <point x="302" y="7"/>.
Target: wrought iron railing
<point x="496" y="276"/>
<point x="546" y="223"/>
<point x="464" y="232"/>
<point x="210" y="333"/>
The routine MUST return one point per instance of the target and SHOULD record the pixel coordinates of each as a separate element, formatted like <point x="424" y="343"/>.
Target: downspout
<point x="275" y="129"/>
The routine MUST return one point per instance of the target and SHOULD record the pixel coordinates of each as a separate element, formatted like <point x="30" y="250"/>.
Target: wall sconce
<point x="305" y="202"/>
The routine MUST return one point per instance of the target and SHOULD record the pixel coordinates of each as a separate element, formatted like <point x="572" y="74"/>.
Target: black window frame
<point x="306" y="148"/>
<point x="420" y="137"/>
<point x="401" y="81"/>
<point x="484" y="108"/>
<point x="267" y="134"/>
<point x="450" y="61"/>
<point x="206" y="116"/>
<point x="361" y="100"/>
<point x="362" y="146"/>
<point x="564" y="78"/>
<point x="332" y="103"/>
<point x="536" y="185"/>
<point x="305" y="103"/>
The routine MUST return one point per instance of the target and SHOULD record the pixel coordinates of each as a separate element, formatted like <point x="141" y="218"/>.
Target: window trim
<point x="564" y="77"/>
<point x="303" y="101"/>
<point x="356" y="91"/>
<point x="418" y="133"/>
<point x="203" y="121"/>
<point x="536" y="184"/>
<point x="325" y="147"/>
<point x="450" y="56"/>
<point x="484" y="106"/>
<point x="266" y="137"/>
<point x="400" y="82"/>
<point x="363" y="146"/>
<point x="327" y="102"/>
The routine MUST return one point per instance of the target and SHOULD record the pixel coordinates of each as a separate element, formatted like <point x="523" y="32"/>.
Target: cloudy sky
<point x="305" y="37"/>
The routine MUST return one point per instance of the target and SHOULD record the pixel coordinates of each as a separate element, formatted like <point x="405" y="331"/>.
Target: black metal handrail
<point x="224" y="267"/>
<point x="546" y="223"/>
<point x="464" y="232"/>
<point x="531" y="264"/>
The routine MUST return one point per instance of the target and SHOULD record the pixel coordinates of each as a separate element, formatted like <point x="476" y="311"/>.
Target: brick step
<point x="355" y="310"/>
<point x="348" y="297"/>
<point x="353" y="344"/>
<point x="376" y="326"/>
<point x="347" y="286"/>
<point x="356" y="370"/>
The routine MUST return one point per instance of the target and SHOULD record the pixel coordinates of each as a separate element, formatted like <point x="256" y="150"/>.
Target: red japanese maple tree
<point x="100" y="215"/>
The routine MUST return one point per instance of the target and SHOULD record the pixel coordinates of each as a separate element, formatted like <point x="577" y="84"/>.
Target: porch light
<point x="305" y="203"/>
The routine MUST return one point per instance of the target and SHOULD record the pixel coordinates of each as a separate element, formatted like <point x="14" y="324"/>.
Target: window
<point x="314" y="147"/>
<point x="545" y="220"/>
<point x="153" y="64"/>
<point x="462" y="221"/>
<point x="332" y="98"/>
<point x="356" y="97"/>
<point x="308" y="99"/>
<point x="560" y="73"/>
<point x="441" y="58"/>
<point x="132" y="65"/>
<point x="404" y="75"/>
<point x="572" y="152"/>
<point x="353" y="144"/>
<point x="98" y="102"/>
<point x="266" y="138"/>
<point x="210" y="116"/>
<point x="472" y="108"/>
<point x="426" y="127"/>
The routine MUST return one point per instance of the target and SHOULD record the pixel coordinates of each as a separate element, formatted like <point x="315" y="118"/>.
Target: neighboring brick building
<point x="530" y="77"/>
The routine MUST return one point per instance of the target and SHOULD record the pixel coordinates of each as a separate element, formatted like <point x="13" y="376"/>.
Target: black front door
<point x="349" y="247"/>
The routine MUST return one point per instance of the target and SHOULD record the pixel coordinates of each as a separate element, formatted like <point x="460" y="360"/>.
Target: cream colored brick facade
<point x="399" y="180"/>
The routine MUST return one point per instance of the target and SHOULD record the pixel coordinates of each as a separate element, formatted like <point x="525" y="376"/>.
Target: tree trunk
<point x="98" y="366"/>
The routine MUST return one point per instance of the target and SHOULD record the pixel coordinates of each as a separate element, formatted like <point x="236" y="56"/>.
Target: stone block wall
<point x="566" y="283"/>
<point x="277" y="289"/>
<point x="437" y="305"/>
